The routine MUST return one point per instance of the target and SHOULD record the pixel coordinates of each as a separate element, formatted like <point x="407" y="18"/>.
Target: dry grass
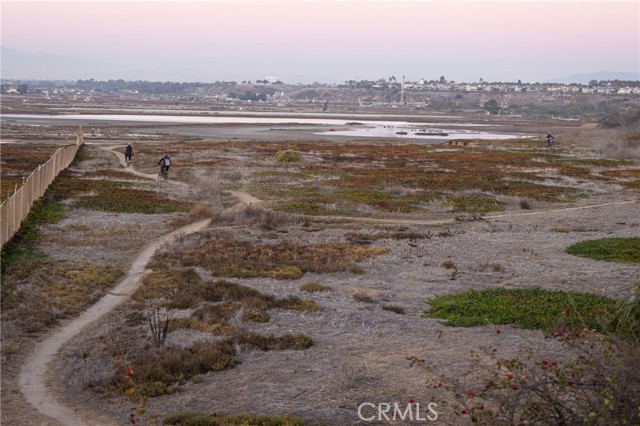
<point x="214" y="307"/>
<point x="364" y="297"/>
<point x="262" y="218"/>
<point x="52" y="290"/>
<point x="608" y="143"/>
<point x="282" y="260"/>
<point x="394" y="308"/>
<point x="214" y="303"/>
<point x="201" y="211"/>
<point x="314" y="287"/>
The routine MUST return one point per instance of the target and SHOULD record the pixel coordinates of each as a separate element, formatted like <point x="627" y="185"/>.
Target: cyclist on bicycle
<point x="128" y="153"/>
<point x="164" y="163"/>
<point x="549" y="139"/>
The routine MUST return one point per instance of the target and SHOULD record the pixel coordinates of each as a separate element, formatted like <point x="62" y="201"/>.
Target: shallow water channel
<point x="429" y="132"/>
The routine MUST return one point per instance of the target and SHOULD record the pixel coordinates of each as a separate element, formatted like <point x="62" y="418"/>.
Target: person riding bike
<point x="165" y="163"/>
<point x="128" y="153"/>
<point x="549" y="139"/>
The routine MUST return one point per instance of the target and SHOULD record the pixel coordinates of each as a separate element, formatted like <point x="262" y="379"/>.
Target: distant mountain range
<point x="602" y="75"/>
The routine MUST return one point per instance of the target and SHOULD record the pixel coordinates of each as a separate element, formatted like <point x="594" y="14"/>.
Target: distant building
<point x="271" y="79"/>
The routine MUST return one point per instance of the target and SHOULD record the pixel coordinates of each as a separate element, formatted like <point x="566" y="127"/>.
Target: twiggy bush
<point x="262" y="218"/>
<point x="593" y="381"/>
<point x="158" y="321"/>
<point x="596" y="385"/>
<point x="353" y="376"/>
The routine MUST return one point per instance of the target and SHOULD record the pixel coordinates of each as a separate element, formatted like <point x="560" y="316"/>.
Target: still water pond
<point x="429" y="132"/>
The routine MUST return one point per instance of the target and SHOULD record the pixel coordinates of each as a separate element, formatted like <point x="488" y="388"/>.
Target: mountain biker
<point x="549" y="139"/>
<point x="128" y="153"/>
<point x="165" y="163"/>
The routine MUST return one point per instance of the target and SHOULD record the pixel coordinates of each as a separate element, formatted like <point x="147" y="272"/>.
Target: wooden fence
<point x="17" y="207"/>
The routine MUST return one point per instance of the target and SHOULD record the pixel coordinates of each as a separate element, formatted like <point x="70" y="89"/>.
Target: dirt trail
<point x="33" y="373"/>
<point x="130" y="169"/>
<point x="396" y="221"/>
<point x="32" y="377"/>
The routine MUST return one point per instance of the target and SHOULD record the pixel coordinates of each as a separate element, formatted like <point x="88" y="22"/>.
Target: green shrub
<point x="622" y="250"/>
<point x="524" y="308"/>
<point x="290" y="155"/>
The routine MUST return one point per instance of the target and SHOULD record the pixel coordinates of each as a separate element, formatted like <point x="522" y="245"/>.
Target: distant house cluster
<point x="601" y="87"/>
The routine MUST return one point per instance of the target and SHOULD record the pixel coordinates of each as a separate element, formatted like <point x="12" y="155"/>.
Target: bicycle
<point x="163" y="174"/>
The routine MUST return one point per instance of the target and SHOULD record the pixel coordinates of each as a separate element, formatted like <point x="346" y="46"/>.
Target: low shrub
<point x="290" y="155"/>
<point x="394" y="308"/>
<point x="200" y="419"/>
<point x="314" y="287"/>
<point x="622" y="250"/>
<point x="592" y="381"/>
<point x="525" y="308"/>
<point x="283" y="260"/>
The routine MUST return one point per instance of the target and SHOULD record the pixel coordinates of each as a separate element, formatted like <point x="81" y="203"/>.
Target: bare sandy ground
<point x="361" y="351"/>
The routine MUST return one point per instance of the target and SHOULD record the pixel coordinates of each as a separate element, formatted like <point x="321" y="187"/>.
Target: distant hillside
<point x="602" y="75"/>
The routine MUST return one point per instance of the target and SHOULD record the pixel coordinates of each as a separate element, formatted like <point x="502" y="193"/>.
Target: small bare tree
<point x="158" y="320"/>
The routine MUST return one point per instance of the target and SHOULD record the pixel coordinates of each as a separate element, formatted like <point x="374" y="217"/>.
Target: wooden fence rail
<point x="17" y="207"/>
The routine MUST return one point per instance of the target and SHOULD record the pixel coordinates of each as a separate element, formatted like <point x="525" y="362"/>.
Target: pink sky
<point x="464" y="40"/>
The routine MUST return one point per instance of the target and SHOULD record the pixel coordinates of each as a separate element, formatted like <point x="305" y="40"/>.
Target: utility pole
<point x="402" y="100"/>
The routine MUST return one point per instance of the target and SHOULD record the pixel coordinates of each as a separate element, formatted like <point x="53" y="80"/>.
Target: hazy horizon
<point x="323" y="41"/>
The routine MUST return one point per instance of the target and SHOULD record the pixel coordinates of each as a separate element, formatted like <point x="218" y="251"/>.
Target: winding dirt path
<point x="32" y="377"/>
<point x="32" y="381"/>
<point x="396" y="221"/>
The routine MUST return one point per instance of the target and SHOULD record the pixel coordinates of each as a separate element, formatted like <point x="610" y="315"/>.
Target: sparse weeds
<point x="263" y="218"/>
<point x="283" y="260"/>
<point x="394" y="308"/>
<point x="354" y="376"/>
<point x="488" y="267"/>
<point x="525" y="204"/>
<point x="314" y="287"/>
<point x="158" y="371"/>
<point x="54" y="290"/>
<point x="213" y="302"/>
<point x="201" y="211"/>
<point x="400" y="235"/>
<point x="364" y="297"/>
<point x="214" y="305"/>
<point x="200" y="419"/>
<point x="449" y="264"/>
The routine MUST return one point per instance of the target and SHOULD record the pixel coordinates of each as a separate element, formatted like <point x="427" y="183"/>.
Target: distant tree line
<point x="252" y="95"/>
<point x="141" y="86"/>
